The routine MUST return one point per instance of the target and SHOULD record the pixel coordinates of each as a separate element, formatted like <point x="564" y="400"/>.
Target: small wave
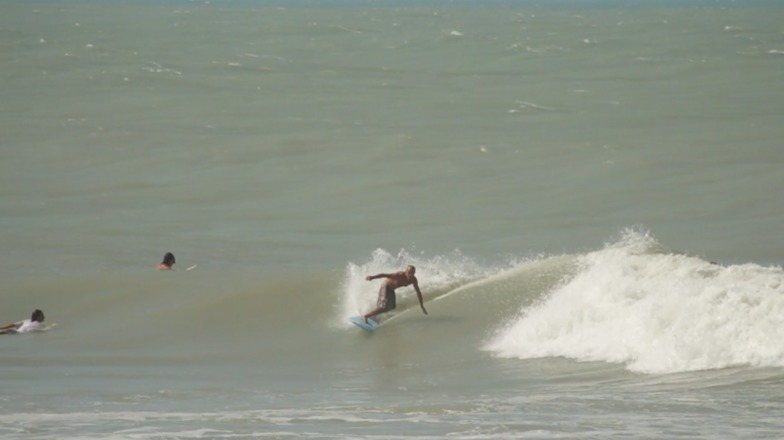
<point x="154" y="67"/>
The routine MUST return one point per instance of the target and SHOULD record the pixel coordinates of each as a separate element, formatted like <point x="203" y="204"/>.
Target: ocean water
<point x="591" y="193"/>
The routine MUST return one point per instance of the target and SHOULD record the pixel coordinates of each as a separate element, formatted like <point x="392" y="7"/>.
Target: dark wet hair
<point x="168" y="259"/>
<point x="37" y="316"/>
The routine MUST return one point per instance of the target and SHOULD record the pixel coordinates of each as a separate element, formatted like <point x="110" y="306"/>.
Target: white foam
<point x="656" y="313"/>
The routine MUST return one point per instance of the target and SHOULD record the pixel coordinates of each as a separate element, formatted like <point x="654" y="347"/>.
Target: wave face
<point x="632" y="302"/>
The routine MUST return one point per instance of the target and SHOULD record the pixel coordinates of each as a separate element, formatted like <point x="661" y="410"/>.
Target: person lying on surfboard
<point x="35" y="323"/>
<point x="386" y="294"/>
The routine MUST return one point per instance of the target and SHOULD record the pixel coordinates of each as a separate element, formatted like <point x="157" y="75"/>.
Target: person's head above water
<point x="167" y="263"/>
<point x="37" y="316"/>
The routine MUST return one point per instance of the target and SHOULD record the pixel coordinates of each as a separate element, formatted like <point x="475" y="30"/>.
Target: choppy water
<point x="590" y="193"/>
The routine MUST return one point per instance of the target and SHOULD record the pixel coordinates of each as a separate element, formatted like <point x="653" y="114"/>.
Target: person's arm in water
<point x="419" y="296"/>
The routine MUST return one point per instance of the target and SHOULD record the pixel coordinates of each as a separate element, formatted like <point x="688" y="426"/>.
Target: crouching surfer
<point x="386" y="293"/>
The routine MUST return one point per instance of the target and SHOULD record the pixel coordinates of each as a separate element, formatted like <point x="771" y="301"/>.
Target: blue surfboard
<point x="369" y="326"/>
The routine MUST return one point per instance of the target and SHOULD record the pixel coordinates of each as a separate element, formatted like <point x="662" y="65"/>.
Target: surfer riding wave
<point x="387" y="299"/>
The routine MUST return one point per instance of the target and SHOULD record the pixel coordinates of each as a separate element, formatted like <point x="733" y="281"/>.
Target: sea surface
<point x="591" y="192"/>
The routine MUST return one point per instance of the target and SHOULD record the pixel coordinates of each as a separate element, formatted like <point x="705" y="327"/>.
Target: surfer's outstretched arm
<point x="419" y="296"/>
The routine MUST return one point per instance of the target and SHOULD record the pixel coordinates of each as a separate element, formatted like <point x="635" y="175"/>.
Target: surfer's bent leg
<point x="386" y="302"/>
<point x="386" y="298"/>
